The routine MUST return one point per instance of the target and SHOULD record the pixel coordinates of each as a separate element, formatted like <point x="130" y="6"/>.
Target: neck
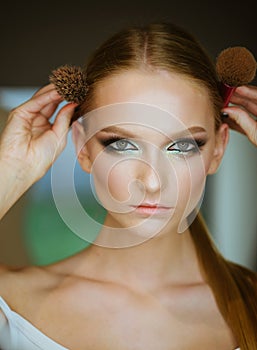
<point x="168" y="258"/>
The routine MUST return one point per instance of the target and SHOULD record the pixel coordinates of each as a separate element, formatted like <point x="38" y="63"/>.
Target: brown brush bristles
<point x="236" y="66"/>
<point x="70" y="83"/>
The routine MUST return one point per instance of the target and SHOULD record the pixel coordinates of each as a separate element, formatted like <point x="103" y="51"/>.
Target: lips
<point x="150" y="208"/>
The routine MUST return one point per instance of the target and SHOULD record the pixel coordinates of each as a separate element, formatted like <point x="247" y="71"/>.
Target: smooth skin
<point x="112" y="298"/>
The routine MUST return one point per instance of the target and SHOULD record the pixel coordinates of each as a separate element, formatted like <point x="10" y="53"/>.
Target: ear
<point x="79" y="140"/>
<point x="221" y="141"/>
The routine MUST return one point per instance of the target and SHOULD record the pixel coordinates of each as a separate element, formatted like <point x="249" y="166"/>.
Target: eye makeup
<point x="187" y="145"/>
<point x="118" y="144"/>
<point x="182" y="146"/>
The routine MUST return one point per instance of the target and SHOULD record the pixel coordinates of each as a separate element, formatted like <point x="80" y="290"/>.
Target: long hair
<point x="168" y="47"/>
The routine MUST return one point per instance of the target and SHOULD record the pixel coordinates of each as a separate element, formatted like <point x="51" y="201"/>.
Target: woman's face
<point x="150" y="144"/>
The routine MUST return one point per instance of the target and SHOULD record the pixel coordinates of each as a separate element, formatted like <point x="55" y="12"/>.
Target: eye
<point x="118" y="145"/>
<point x="122" y="145"/>
<point x="185" y="146"/>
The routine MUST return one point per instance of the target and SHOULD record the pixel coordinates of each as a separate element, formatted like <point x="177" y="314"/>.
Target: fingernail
<point x="224" y="115"/>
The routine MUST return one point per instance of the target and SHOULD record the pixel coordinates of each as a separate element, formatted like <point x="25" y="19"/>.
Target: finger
<point x="233" y="125"/>
<point x="36" y="104"/>
<point x="249" y="105"/>
<point x="244" y="121"/>
<point x="62" y="122"/>
<point x="49" y="110"/>
<point x="44" y="89"/>
<point x="246" y="96"/>
<point x="246" y="91"/>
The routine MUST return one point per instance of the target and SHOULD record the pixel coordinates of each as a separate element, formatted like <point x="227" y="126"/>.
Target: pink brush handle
<point x="226" y="92"/>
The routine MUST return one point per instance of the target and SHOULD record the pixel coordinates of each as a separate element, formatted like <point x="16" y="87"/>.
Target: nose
<point x="150" y="178"/>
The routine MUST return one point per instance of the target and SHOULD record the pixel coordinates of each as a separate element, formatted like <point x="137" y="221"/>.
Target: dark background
<point x="38" y="36"/>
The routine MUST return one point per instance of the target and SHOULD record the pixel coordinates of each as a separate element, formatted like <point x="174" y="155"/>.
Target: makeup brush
<point x="70" y="83"/>
<point x="236" y="66"/>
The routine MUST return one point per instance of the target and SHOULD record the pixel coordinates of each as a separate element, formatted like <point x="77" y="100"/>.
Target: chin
<point x="143" y="225"/>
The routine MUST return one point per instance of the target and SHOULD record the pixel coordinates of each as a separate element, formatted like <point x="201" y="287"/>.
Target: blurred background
<point x="37" y="37"/>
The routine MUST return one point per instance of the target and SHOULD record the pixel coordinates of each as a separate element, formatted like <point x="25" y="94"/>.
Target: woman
<point x="151" y="135"/>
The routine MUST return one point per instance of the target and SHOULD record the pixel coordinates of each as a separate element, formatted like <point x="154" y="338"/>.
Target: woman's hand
<point x="242" y="116"/>
<point x="30" y="143"/>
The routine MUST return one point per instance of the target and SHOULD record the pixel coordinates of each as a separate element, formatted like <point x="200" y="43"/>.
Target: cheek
<point x="112" y="180"/>
<point x="191" y="183"/>
<point x="120" y="179"/>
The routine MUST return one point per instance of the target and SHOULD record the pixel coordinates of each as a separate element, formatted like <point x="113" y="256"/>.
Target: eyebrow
<point x="126" y="134"/>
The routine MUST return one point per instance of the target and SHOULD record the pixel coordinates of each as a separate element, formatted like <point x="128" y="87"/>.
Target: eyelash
<point x="108" y="144"/>
<point x="196" y="143"/>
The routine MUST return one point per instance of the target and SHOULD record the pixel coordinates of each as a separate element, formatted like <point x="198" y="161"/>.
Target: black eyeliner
<point x="110" y="140"/>
<point x="197" y="142"/>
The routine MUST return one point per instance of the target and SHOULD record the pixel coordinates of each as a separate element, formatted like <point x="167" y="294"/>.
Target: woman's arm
<point x="30" y="143"/>
<point x="243" y="115"/>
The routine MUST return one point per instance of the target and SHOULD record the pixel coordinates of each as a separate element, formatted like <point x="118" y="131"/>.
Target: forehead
<point x="157" y="99"/>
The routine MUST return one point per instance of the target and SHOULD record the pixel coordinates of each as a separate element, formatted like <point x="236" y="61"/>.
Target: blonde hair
<point x="168" y="47"/>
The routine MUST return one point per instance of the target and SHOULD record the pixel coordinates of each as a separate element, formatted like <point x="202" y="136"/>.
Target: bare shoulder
<point x="17" y="283"/>
<point x="34" y="283"/>
<point x="5" y="274"/>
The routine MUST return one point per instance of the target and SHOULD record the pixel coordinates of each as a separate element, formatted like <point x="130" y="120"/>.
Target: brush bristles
<point x="236" y="66"/>
<point x="70" y="83"/>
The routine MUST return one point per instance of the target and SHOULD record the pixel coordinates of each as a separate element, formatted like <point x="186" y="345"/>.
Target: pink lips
<point x="150" y="209"/>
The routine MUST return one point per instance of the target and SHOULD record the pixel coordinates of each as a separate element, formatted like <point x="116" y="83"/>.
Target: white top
<point x="16" y="333"/>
